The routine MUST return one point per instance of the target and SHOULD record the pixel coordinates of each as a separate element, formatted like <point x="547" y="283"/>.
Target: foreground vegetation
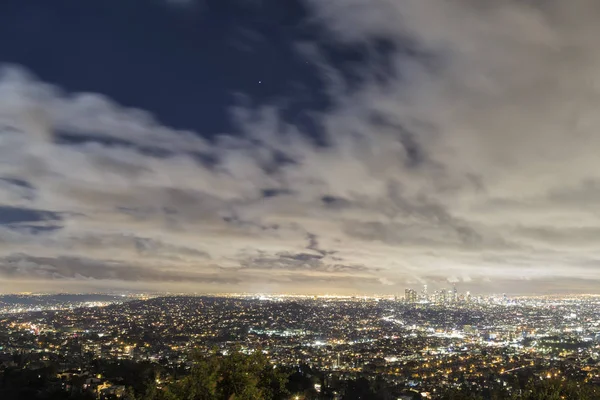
<point x="233" y="377"/>
<point x="238" y="376"/>
<point x="252" y="377"/>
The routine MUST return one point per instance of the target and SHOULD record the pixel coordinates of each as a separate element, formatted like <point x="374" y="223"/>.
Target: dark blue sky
<point x="187" y="64"/>
<point x="182" y="63"/>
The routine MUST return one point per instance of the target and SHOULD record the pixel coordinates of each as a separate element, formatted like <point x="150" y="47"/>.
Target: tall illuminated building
<point x="410" y="296"/>
<point x="454" y="295"/>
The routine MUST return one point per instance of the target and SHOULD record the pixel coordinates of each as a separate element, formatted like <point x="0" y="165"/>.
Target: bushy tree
<point x="232" y="377"/>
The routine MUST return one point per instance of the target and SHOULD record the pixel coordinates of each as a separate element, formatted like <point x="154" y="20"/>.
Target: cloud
<point x="300" y="262"/>
<point x="386" y="281"/>
<point x="465" y="149"/>
<point x="67" y="268"/>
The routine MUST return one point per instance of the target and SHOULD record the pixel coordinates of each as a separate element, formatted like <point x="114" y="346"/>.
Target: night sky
<point x="305" y="146"/>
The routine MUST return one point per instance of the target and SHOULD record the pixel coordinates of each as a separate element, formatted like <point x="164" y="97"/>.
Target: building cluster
<point x="21" y="303"/>
<point x="442" y="296"/>
<point x="424" y="343"/>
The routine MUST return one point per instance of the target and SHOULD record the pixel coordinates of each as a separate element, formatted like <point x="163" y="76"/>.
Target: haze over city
<point x="302" y="146"/>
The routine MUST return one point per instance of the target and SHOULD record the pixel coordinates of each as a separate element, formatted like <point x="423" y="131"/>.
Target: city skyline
<point x="340" y="146"/>
<point x="323" y="346"/>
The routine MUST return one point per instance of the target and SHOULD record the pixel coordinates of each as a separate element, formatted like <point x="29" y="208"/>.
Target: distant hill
<point x="11" y="301"/>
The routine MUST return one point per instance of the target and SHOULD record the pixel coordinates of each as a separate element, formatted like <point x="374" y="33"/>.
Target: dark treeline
<point x="238" y="376"/>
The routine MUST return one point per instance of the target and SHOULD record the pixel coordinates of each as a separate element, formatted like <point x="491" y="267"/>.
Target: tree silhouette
<point x="236" y="376"/>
